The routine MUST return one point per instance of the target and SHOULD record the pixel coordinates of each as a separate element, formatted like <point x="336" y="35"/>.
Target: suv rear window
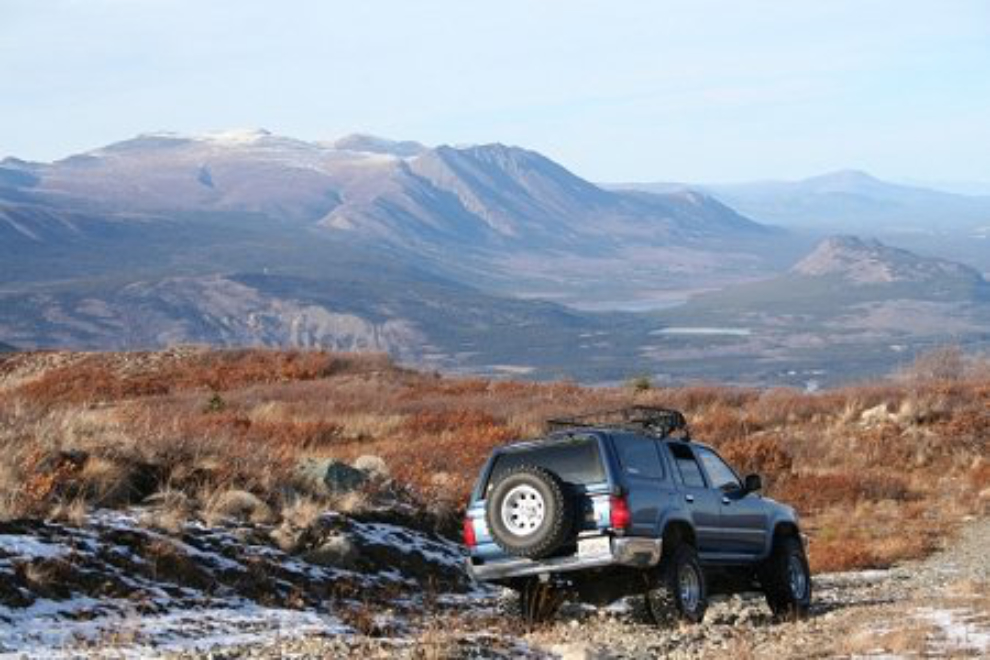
<point x="638" y="455"/>
<point x="576" y="462"/>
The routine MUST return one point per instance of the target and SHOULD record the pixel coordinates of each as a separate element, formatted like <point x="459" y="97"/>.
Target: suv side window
<point x="687" y="466"/>
<point x="638" y="456"/>
<point x="720" y="474"/>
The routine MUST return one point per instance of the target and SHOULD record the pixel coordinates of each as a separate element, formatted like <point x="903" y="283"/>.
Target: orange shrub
<point x="89" y="381"/>
<point x="435" y="422"/>
<point x="813" y="493"/>
<point x="764" y="455"/>
<point x="842" y="555"/>
<point x="243" y="419"/>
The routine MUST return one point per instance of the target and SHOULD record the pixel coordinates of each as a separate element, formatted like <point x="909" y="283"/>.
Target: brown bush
<point x="764" y="455"/>
<point x="841" y="555"/>
<point x="146" y="420"/>
<point x="943" y="363"/>
<point x="813" y="493"/>
<point x="111" y="377"/>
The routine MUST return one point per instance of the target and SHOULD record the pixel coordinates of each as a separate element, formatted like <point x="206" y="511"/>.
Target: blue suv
<point x="623" y="503"/>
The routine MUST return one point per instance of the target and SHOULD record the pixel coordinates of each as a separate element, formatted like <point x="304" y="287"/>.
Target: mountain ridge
<point x="498" y="215"/>
<point x="443" y="256"/>
<point x="163" y="171"/>
<point x="925" y="220"/>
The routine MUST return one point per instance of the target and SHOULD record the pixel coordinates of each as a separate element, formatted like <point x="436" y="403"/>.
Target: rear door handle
<point x="726" y="500"/>
<point x="689" y="498"/>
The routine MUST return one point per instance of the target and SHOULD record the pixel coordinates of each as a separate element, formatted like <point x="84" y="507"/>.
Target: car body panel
<point x="731" y="528"/>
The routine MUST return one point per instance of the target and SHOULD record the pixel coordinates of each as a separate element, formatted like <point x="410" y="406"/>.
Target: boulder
<point x="332" y="477"/>
<point x="373" y="466"/>
<point x="238" y="505"/>
<point x="337" y="551"/>
<point x="340" y="478"/>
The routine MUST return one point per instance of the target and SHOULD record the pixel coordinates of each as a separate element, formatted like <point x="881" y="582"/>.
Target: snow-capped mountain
<point x="371" y="187"/>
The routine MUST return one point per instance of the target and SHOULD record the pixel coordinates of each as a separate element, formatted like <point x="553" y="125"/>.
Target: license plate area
<point x="594" y="546"/>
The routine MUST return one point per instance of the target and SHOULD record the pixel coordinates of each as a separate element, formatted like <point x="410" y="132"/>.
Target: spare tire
<point x="529" y="512"/>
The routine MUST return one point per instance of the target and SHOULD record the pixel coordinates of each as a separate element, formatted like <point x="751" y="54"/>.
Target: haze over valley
<point x="483" y="259"/>
<point x="939" y="222"/>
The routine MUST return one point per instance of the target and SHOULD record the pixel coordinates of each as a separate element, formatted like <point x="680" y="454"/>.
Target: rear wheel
<point x="529" y="512"/>
<point x="682" y="593"/>
<point x="786" y="579"/>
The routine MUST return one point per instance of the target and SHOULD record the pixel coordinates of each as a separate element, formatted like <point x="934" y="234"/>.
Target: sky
<point x="647" y="90"/>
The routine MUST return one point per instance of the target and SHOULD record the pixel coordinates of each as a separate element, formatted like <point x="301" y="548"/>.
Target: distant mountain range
<point x="933" y="221"/>
<point x="844" y="271"/>
<point x="485" y="214"/>
<point x="444" y="256"/>
<point x="245" y="237"/>
<point x="849" y="309"/>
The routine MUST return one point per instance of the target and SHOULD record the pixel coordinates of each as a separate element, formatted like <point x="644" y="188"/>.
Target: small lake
<point x="732" y="332"/>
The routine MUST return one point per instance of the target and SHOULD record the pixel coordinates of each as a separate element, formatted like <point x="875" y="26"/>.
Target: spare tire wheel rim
<point x="690" y="587"/>
<point x="796" y="578"/>
<point x="523" y="510"/>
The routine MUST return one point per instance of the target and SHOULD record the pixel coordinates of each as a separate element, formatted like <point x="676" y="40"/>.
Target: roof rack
<point x="658" y="422"/>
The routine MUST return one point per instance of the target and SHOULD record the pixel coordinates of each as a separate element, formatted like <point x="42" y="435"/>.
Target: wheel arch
<point x="677" y="531"/>
<point x="781" y="529"/>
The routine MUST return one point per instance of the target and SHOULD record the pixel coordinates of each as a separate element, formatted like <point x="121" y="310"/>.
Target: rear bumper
<point x="592" y="553"/>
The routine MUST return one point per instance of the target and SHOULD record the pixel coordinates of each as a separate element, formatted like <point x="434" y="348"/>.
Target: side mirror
<point x="753" y="483"/>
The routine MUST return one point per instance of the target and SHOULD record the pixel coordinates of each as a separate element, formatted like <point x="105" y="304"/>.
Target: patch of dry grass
<point x="878" y="471"/>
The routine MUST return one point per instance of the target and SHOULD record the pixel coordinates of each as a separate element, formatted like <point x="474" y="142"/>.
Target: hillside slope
<point x="846" y="308"/>
<point x="416" y="318"/>
<point x="473" y="198"/>
<point x="213" y="419"/>
<point x="244" y="238"/>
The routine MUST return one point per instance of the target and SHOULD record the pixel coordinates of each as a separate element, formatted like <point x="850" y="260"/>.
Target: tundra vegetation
<point x="879" y="471"/>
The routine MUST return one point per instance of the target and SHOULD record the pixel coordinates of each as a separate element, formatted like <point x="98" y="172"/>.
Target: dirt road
<point x="936" y="608"/>
<point x="939" y="607"/>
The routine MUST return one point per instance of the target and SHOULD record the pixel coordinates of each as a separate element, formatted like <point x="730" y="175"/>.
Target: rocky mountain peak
<point x="868" y="261"/>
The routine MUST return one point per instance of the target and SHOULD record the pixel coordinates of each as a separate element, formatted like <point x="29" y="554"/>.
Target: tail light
<point x="470" y="540"/>
<point x="620" y="517"/>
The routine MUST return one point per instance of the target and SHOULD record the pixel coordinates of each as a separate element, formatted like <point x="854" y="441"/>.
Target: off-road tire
<point x="557" y="527"/>
<point x="775" y="579"/>
<point x="664" y="599"/>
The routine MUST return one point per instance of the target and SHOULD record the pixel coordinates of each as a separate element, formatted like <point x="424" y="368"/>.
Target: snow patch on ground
<point x="25" y="546"/>
<point x="439" y="552"/>
<point x="235" y="590"/>
<point x="960" y="629"/>
<point x="47" y="629"/>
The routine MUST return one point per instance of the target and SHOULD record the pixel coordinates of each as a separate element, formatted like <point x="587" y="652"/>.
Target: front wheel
<point x="683" y="591"/>
<point x="786" y="579"/>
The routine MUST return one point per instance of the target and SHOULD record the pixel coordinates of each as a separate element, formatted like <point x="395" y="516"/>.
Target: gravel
<point x="913" y="609"/>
